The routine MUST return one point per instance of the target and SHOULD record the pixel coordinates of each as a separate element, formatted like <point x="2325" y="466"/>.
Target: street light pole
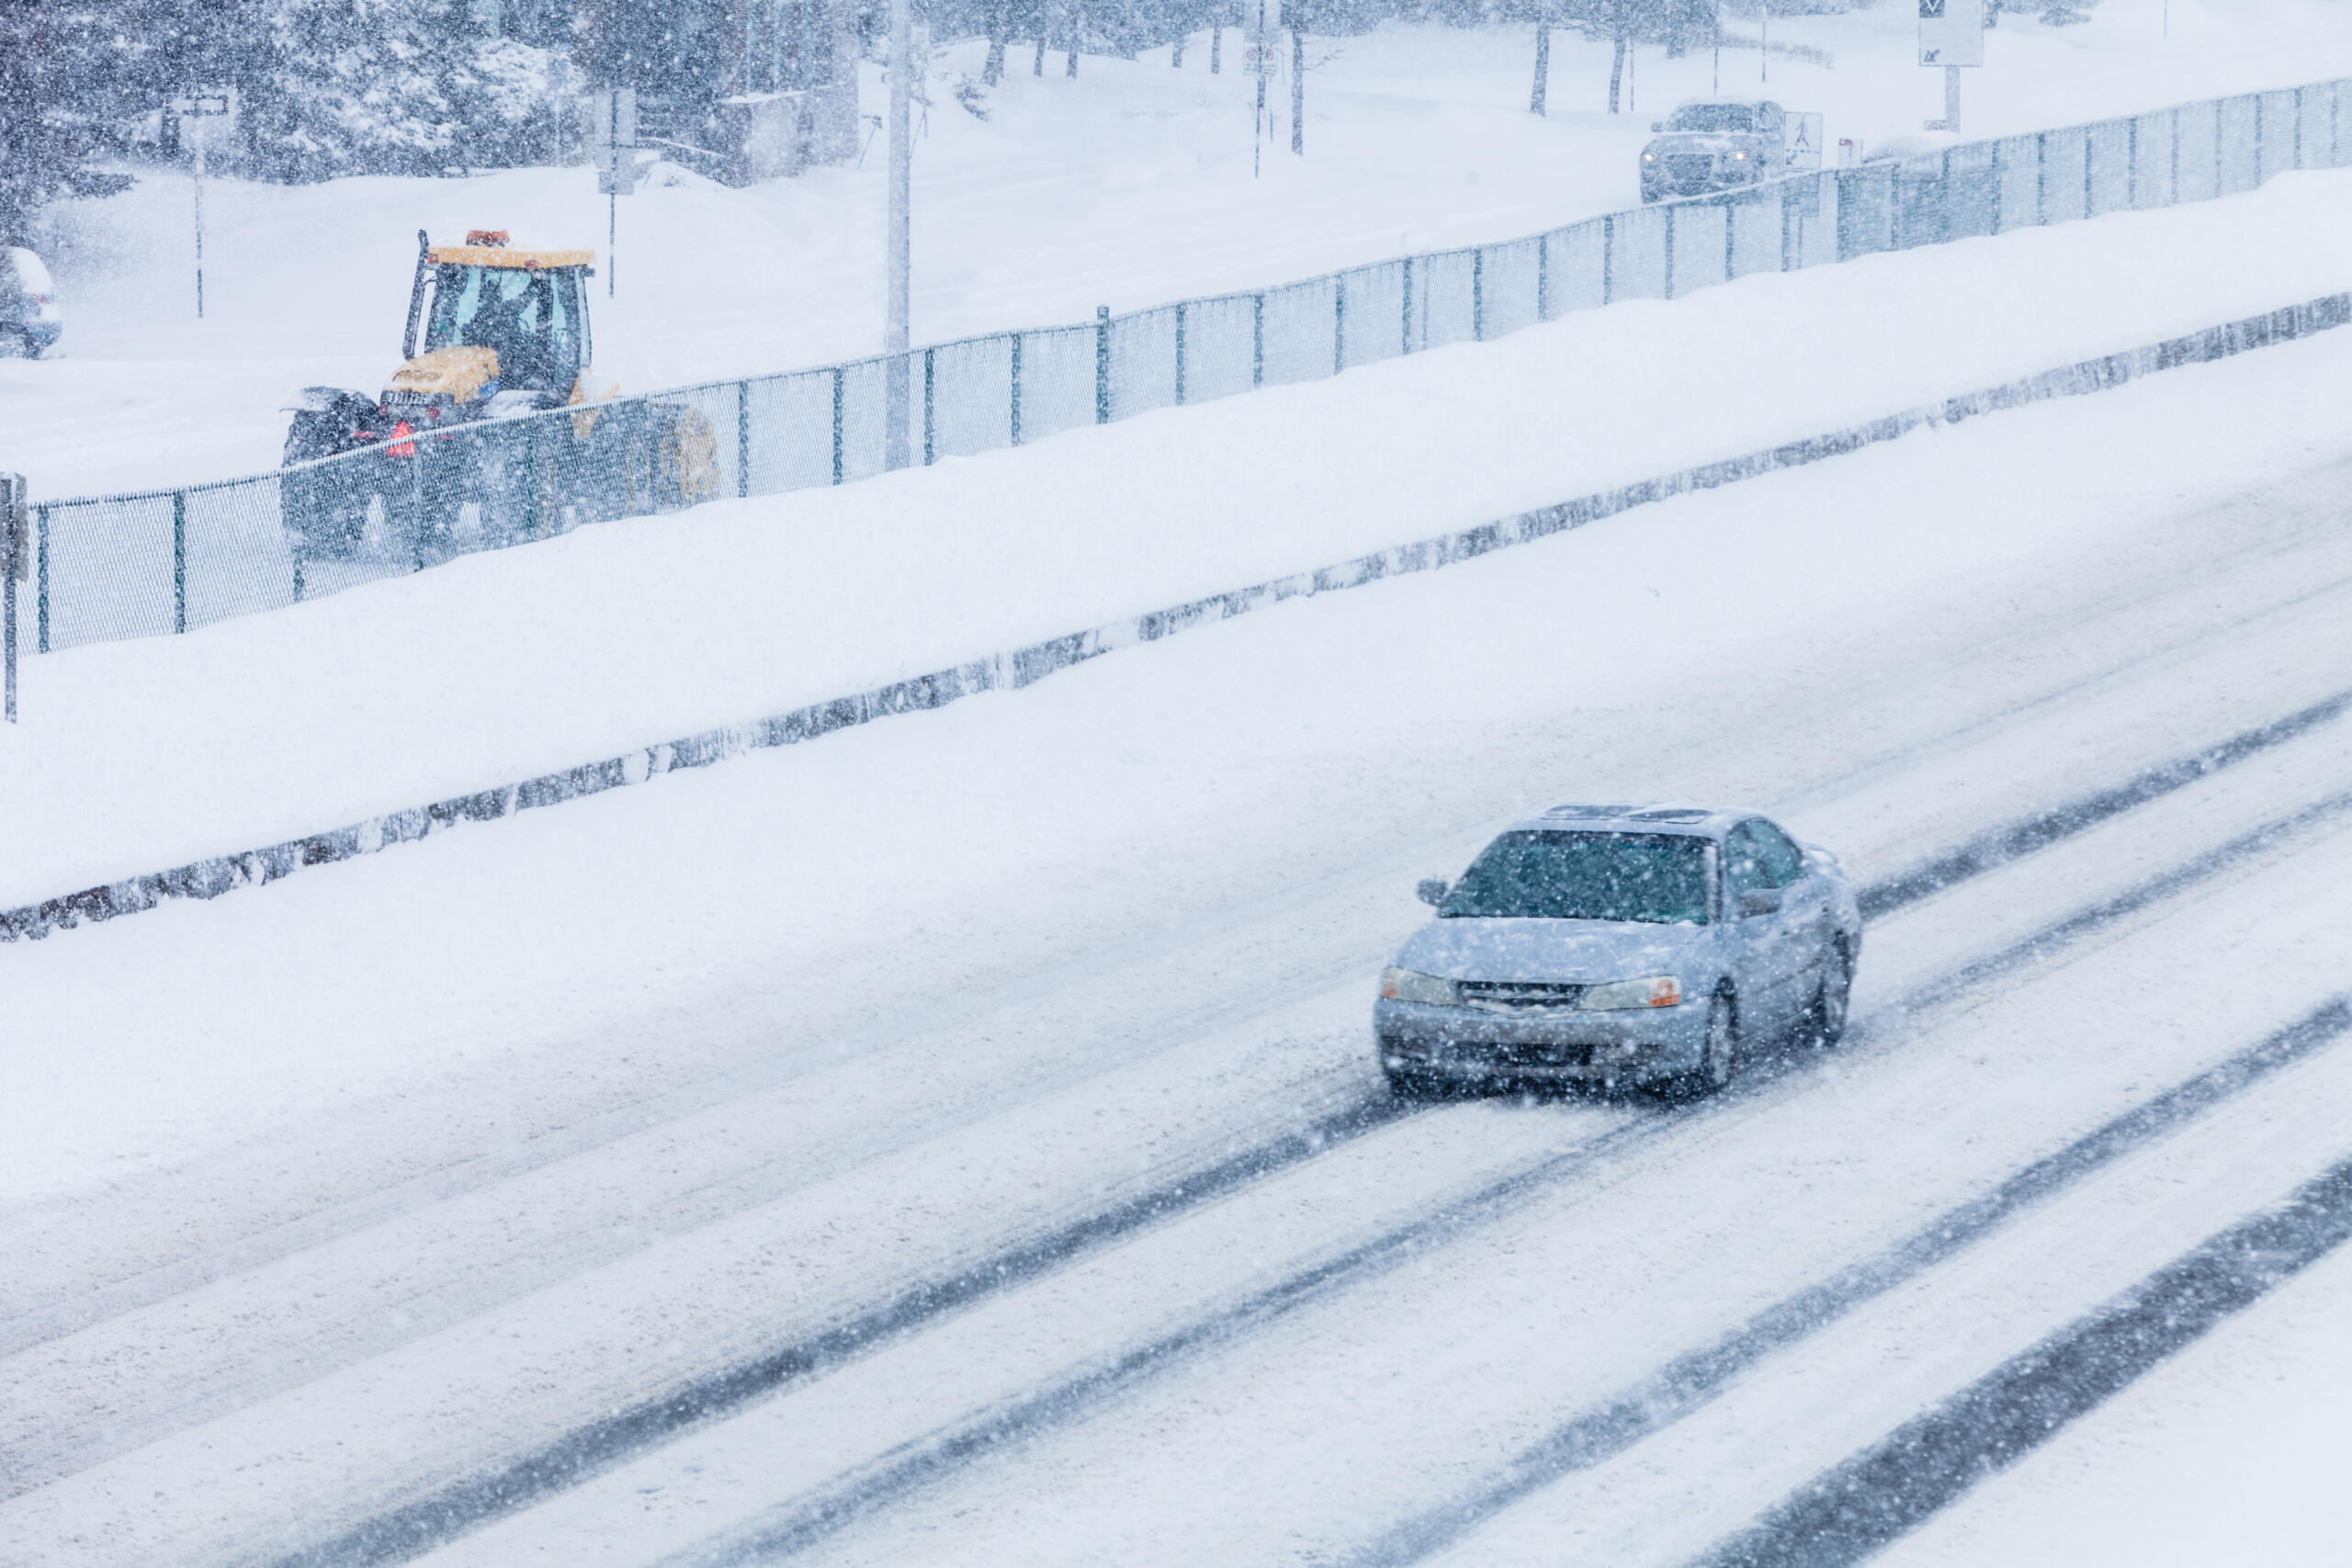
<point x="896" y="376"/>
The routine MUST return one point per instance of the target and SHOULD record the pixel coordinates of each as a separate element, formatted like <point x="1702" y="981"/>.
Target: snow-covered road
<point x="1285" y="1320"/>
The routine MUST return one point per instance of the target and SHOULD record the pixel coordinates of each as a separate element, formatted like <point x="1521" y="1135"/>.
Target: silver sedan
<point x="1620" y="944"/>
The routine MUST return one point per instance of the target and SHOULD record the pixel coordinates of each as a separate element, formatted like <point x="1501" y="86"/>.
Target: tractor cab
<point x="500" y="326"/>
<point x="493" y="333"/>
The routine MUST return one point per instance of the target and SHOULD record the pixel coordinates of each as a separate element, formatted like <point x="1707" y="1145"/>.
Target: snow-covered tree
<point x="72" y="73"/>
<point x="358" y="86"/>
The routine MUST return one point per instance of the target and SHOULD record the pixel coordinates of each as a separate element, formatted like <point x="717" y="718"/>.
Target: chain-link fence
<point x="126" y="565"/>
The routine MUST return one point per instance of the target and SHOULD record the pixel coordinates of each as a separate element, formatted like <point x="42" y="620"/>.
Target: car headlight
<point x="1411" y="985"/>
<point x="1739" y="154"/>
<point x="1649" y="157"/>
<point x="1657" y="991"/>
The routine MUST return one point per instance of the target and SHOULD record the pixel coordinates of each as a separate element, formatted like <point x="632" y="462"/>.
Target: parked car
<point x="1719" y="144"/>
<point x="30" y="319"/>
<point x="1621" y="945"/>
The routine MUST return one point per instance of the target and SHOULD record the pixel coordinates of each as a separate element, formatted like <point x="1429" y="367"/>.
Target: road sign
<point x="1952" y="32"/>
<point x="1804" y="140"/>
<point x="193" y="109"/>
<point x="611" y="139"/>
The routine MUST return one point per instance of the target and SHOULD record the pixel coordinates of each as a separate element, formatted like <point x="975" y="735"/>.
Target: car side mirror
<point x="1658" y="125"/>
<point x="1759" y="901"/>
<point x="1432" y="889"/>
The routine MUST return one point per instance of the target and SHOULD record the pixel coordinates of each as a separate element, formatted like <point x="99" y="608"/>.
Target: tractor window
<point x="530" y="322"/>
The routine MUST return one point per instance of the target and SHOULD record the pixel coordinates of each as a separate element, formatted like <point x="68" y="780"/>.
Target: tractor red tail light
<point x="401" y="447"/>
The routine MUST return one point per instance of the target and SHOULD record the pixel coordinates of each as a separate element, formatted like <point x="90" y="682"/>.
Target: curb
<point x="216" y="874"/>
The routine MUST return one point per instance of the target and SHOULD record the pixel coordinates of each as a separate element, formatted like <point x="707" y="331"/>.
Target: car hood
<point x="1562" y="952"/>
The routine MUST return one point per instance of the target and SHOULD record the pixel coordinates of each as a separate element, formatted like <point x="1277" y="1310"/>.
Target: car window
<point x="1542" y="873"/>
<point x="1744" y="870"/>
<point x="1783" y="861"/>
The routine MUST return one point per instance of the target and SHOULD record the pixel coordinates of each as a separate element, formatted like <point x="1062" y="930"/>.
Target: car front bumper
<point x="1557" y="1045"/>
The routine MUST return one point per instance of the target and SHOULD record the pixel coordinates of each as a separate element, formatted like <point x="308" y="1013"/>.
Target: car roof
<point x="1635" y="817"/>
<point x="1743" y="103"/>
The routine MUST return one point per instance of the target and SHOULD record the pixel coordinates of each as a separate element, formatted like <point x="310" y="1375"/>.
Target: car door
<point x="1766" y="960"/>
<point x="1808" y="907"/>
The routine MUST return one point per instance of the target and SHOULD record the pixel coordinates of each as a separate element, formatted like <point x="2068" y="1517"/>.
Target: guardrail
<point x="167" y="560"/>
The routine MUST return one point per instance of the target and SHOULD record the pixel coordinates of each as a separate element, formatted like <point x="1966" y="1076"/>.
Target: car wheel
<point x="1407" y="1085"/>
<point x="1719" y="1060"/>
<point x="16" y="343"/>
<point x="1825" y="1023"/>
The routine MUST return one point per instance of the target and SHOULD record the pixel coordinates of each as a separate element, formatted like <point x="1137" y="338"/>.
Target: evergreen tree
<point x="358" y="87"/>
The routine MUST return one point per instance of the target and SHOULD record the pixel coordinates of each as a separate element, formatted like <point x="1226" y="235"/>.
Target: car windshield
<point x="1712" y="117"/>
<point x="529" y="319"/>
<point x="1541" y="875"/>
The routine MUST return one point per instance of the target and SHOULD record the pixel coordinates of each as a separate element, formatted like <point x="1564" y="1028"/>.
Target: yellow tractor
<point x="457" y="463"/>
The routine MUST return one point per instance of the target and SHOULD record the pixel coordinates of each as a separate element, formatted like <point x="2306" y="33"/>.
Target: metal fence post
<point x="1543" y="277"/>
<point x="1016" y="389"/>
<point x="1180" y="351"/>
<point x="2087" y="164"/>
<point x="2257" y="138"/>
<point x="1608" y="258"/>
<point x="417" y="510"/>
<point x="1257" y="340"/>
<point x="531" y="477"/>
<point x="41" y="578"/>
<point x="1784" y="224"/>
<point x="742" y="439"/>
<point x="2171" y="186"/>
<point x="179" y="561"/>
<point x="930" y="418"/>
<point x="1731" y="232"/>
<point x="1407" y="327"/>
<point x="840" y="388"/>
<point x="1670" y="250"/>
<point x="1478" y="295"/>
<point x="1943" y="189"/>
<point x="1101" y="364"/>
<point x="2131" y="165"/>
<point x="1338" y="325"/>
<point x="2298" y="128"/>
<point x="2040" y="179"/>
<point x="2217" y="147"/>
<point x="12" y="562"/>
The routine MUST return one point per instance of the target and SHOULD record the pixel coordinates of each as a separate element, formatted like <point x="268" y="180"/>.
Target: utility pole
<point x="1297" y="85"/>
<point x="1258" y="125"/>
<point x="896" y="376"/>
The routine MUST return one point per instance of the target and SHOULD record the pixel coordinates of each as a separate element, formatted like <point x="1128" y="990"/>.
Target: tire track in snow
<point x="1694" y="1379"/>
<point x="1684" y="1384"/>
<point x="1851" y="1510"/>
<point x="577" y="1456"/>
